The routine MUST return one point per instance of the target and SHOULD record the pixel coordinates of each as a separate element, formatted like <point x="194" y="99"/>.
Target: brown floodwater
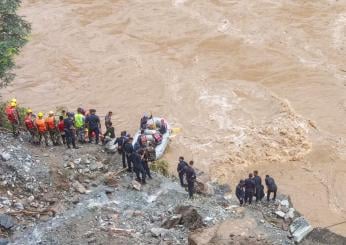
<point x="252" y="84"/>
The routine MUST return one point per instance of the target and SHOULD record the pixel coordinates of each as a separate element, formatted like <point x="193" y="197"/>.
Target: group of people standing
<point x="253" y="187"/>
<point x="65" y="128"/>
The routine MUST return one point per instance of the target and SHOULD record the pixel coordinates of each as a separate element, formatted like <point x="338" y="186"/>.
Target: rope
<point x="340" y="223"/>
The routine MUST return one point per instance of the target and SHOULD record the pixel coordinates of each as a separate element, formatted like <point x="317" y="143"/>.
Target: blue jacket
<point x="93" y="121"/>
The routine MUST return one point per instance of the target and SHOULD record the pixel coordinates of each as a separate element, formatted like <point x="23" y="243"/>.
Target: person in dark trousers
<point x="120" y="141"/>
<point x="128" y="148"/>
<point x="190" y="178"/>
<point x="70" y="131"/>
<point x="181" y="170"/>
<point x="249" y="189"/>
<point x="239" y="192"/>
<point x="108" y="119"/>
<point x="271" y="187"/>
<point x="94" y="125"/>
<point x="145" y="162"/>
<point x="258" y="186"/>
<point x="138" y="167"/>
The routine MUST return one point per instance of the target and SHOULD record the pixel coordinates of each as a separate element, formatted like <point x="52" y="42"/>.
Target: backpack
<point x="158" y="138"/>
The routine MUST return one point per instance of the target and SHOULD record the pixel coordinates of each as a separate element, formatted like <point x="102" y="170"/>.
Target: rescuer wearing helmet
<point x="13" y="117"/>
<point x="41" y="128"/>
<point x="70" y="131"/>
<point x="29" y="122"/>
<point x="79" y="122"/>
<point x="52" y="127"/>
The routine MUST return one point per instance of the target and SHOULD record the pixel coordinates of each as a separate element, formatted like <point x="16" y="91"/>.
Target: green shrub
<point x="160" y="166"/>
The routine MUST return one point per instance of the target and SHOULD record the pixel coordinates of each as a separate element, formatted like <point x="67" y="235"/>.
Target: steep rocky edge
<point x="57" y="196"/>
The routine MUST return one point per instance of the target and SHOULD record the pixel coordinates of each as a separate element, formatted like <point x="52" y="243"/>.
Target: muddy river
<point x="252" y="84"/>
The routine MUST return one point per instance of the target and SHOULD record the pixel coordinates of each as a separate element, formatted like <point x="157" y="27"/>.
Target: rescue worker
<point x="52" y="128"/>
<point x="108" y="119"/>
<point x="70" y="131"/>
<point x="13" y="118"/>
<point x="142" y="139"/>
<point x="249" y="189"/>
<point x="181" y="170"/>
<point x="258" y="186"/>
<point x="41" y="128"/>
<point x="145" y="162"/>
<point x="79" y="123"/>
<point x="120" y="141"/>
<point x="271" y="187"/>
<point x="128" y="148"/>
<point x="61" y="129"/>
<point x="163" y="127"/>
<point x="110" y="131"/>
<point x="94" y="125"/>
<point x="29" y="122"/>
<point x="190" y="178"/>
<point x="240" y="193"/>
<point x="143" y="122"/>
<point x="136" y="159"/>
<point x="64" y="114"/>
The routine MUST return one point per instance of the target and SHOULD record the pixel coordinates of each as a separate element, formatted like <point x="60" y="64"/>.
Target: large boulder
<point x="190" y="218"/>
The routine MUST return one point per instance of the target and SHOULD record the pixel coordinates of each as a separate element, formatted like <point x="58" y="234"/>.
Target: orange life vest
<point x="11" y="114"/>
<point x="50" y="122"/>
<point x="41" y="125"/>
<point x="28" y="122"/>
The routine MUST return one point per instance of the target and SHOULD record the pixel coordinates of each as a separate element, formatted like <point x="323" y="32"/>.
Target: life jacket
<point x="158" y="138"/>
<point x="41" y="125"/>
<point x="11" y="114"/>
<point x="61" y="126"/>
<point x="29" y="122"/>
<point x="50" y="122"/>
<point x="143" y="139"/>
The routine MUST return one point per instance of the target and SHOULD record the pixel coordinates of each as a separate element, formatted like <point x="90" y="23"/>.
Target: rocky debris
<point x="172" y="221"/>
<point x="6" y="221"/>
<point x="190" y="218"/>
<point x="300" y="228"/>
<point x="136" y="185"/>
<point x="3" y="241"/>
<point x="79" y="187"/>
<point x="158" y="232"/>
<point x="5" y="156"/>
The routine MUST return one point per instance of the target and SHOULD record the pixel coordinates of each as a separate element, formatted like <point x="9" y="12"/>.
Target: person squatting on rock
<point x="271" y="187"/>
<point x="70" y="131"/>
<point x="259" y="193"/>
<point x="128" y="148"/>
<point x="137" y="159"/>
<point x="94" y="126"/>
<point x="240" y="193"/>
<point x="249" y="189"/>
<point x="190" y="178"/>
<point x="41" y="128"/>
<point x="181" y="170"/>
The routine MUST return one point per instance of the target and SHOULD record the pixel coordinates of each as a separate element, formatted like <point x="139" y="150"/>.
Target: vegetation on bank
<point x="160" y="166"/>
<point x="14" y="31"/>
<point x="4" y="123"/>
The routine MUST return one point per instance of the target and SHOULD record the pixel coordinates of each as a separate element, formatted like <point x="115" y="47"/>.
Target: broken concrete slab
<point x="300" y="228"/>
<point x="280" y="214"/>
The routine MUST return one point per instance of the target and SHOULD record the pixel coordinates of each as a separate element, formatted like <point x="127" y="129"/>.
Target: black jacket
<point x="181" y="167"/>
<point x="128" y="147"/>
<point x="270" y="183"/>
<point x="258" y="181"/>
<point x="190" y="174"/>
<point x="239" y="192"/>
<point x="249" y="185"/>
